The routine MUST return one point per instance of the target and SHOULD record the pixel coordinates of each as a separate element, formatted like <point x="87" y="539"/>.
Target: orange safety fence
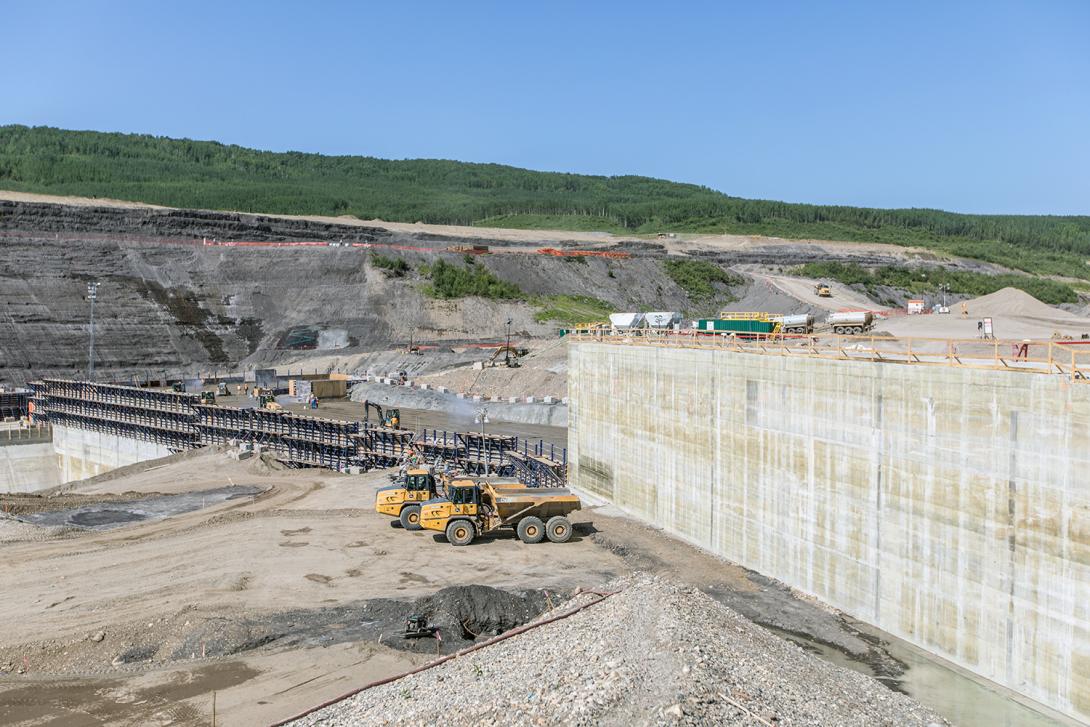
<point x="616" y="255"/>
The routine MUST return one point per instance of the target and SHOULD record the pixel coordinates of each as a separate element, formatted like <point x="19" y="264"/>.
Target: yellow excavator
<point x="389" y="418"/>
<point x="403" y="498"/>
<point x="471" y="509"/>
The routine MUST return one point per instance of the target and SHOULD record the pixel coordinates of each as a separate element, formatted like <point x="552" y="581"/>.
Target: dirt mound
<point x="654" y="653"/>
<point x="1013" y="302"/>
<point x="473" y="611"/>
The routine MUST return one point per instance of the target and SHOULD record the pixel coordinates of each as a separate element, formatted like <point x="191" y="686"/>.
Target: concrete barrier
<point x="947" y="506"/>
<point x="84" y="454"/>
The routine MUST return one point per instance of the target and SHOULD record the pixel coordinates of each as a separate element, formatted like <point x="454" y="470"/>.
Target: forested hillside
<point x="184" y="173"/>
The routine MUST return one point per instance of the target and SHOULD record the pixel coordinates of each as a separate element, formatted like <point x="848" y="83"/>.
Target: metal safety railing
<point x="1066" y="358"/>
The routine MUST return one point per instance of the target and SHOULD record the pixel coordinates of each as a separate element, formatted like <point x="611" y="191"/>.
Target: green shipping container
<point x="734" y="326"/>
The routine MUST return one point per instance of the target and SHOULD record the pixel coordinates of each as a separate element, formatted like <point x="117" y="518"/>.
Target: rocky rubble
<point x="654" y="653"/>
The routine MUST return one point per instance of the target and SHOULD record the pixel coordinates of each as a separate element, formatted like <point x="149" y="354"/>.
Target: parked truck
<point x="404" y="497"/>
<point x="802" y="323"/>
<point x="472" y="509"/>
<point x="850" y="323"/>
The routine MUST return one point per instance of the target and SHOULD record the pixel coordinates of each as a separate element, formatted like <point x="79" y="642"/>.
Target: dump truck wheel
<point x="558" y="529"/>
<point x="460" y="532"/>
<point x="410" y="517"/>
<point x="838" y="330"/>
<point x="531" y="530"/>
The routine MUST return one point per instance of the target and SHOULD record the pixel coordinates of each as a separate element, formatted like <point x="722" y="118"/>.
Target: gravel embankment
<point x="655" y="653"/>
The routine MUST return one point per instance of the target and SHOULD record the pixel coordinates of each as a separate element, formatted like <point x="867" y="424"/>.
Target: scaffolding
<point x="14" y="403"/>
<point x="180" y="421"/>
<point x="294" y="439"/>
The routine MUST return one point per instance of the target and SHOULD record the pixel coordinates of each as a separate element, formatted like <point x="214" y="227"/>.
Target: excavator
<point x="510" y="356"/>
<point x="390" y="418"/>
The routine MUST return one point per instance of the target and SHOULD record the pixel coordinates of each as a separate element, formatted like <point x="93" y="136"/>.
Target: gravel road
<point x="654" y="653"/>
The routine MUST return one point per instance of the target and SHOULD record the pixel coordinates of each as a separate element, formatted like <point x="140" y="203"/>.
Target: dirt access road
<point x="279" y="600"/>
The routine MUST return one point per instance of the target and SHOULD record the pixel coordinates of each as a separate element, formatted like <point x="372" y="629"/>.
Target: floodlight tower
<point x="92" y="295"/>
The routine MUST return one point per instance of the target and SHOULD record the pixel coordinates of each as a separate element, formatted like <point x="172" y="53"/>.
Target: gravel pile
<point x="655" y="653"/>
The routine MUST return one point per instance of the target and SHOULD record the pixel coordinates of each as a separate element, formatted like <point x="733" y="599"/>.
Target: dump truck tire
<point x="410" y="517"/>
<point x="531" y="530"/>
<point x="460" y="532"/>
<point x="558" y="529"/>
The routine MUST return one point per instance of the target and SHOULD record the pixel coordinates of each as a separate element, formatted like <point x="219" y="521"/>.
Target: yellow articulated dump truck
<point x="404" y="498"/>
<point x="471" y="509"/>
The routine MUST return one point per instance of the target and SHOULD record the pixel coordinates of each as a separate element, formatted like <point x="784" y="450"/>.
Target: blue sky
<point x="967" y="106"/>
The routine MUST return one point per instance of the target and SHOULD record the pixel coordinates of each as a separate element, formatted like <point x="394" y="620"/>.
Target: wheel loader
<point x="472" y="509"/>
<point x="403" y="498"/>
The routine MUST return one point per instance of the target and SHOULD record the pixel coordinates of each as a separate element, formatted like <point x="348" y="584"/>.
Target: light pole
<point x="944" y="287"/>
<point x="92" y="295"/>
<point x="482" y="419"/>
<point x="507" y="351"/>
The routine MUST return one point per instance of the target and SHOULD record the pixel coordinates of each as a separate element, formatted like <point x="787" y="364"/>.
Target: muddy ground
<point x="280" y="600"/>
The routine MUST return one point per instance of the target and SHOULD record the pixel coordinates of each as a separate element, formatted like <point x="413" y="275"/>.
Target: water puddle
<point x="960" y="698"/>
<point x="110" y="515"/>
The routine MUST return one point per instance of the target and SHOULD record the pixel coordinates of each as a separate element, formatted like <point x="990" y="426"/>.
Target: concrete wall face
<point x="28" y="467"/>
<point x="950" y="507"/>
<point x="81" y="454"/>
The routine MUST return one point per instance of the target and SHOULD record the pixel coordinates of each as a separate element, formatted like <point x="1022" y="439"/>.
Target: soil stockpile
<point x="654" y="653"/>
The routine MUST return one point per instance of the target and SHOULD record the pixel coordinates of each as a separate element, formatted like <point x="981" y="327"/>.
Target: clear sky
<point x="968" y="106"/>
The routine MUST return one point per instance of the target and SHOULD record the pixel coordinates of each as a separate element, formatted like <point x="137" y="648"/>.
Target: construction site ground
<point x="281" y="599"/>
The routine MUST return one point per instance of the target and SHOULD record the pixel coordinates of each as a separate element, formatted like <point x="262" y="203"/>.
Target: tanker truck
<point x="802" y="323"/>
<point x="850" y="323"/>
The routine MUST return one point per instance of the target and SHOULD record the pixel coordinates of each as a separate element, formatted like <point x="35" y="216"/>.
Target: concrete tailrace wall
<point x="947" y="506"/>
<point x="81" y="453"/>
<point x="28" y="467"/>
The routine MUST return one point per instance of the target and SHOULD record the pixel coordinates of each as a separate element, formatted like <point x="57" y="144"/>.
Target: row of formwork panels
<point x="176" y="440"/>
<point x="123" y="414"/>
<point x="132" y="396"/>
<point x="255" y="422"/>
<point x="14" y="403"/>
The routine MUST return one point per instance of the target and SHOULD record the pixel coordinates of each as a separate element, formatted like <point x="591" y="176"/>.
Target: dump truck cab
<point x="404" y="498"/>
<point x="474" y="508"/>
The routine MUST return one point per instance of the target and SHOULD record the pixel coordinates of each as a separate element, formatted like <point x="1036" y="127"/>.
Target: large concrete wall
<point x="83" y="454"/>
<point x="28" y="467"/>
<point x="947" y="506"/>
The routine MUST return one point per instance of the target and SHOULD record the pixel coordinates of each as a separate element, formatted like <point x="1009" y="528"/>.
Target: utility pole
<point x="944" y="287"/>
<point x="92" y="295"/>
<point x="507" y="351"/>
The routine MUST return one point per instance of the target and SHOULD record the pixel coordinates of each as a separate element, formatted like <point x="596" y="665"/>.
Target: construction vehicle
<point x="222" y="390"/>
<point x="178" y="387"/>
<point x="850" y="322"/>
<point x="822" y="290"/>
<point x="266" y="399"/>
<point x="390" y="418"/>
<point x="208" y="397"/>
<point x="416" y="626"/>
<point x="510" y="356"/>
<point x="475" y="508"/>
<point x="404" y="498"/>
<point x="801" y="323"/>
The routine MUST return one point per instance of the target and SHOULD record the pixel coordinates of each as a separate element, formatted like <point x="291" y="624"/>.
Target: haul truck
<point x="471" y="509"/>
<point x="403" y="499"/>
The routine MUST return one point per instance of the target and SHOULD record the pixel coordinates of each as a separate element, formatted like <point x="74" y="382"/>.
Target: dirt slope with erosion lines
<point x="169" y="305"/>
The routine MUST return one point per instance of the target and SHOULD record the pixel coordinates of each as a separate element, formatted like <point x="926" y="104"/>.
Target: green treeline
<point x="185" y="173"/>
<point x="928" y="280"/>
